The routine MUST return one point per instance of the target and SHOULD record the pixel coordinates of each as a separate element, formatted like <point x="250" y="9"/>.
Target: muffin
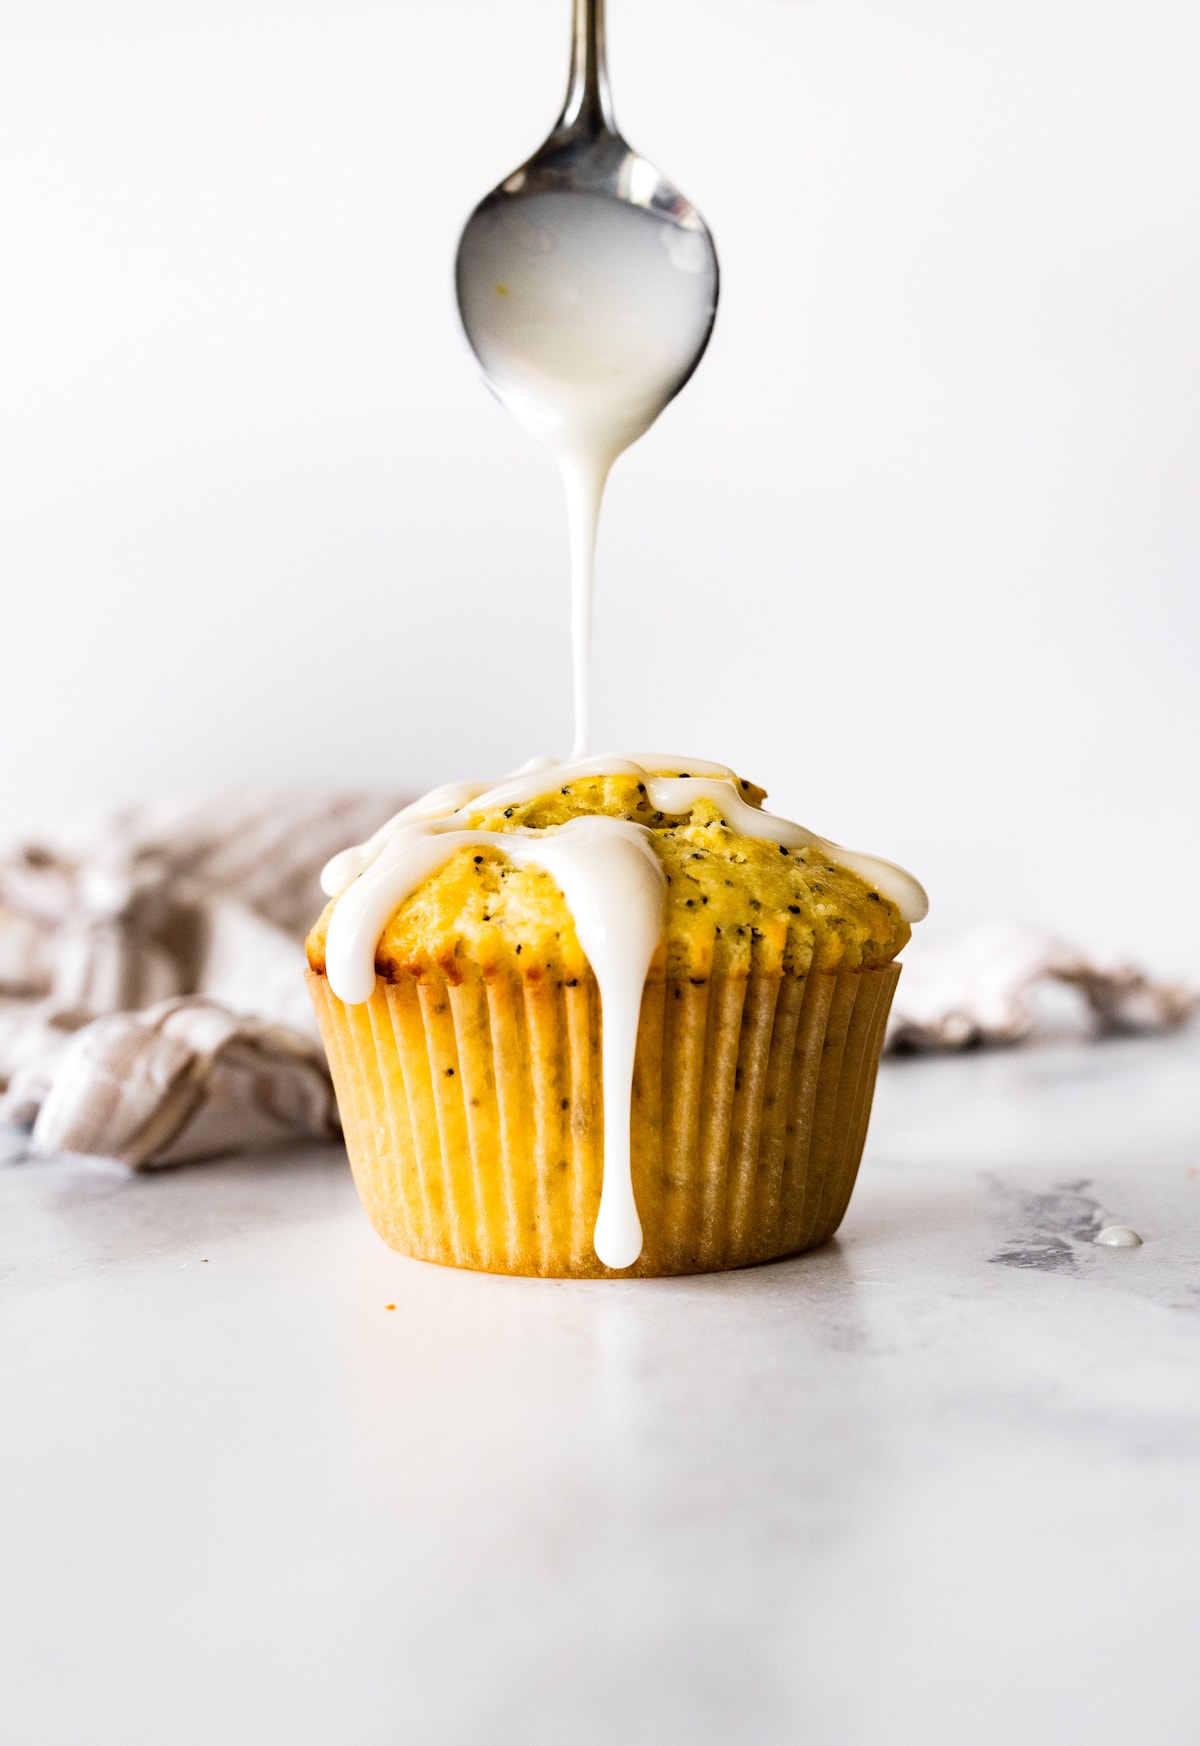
<point x="630" y="938"/>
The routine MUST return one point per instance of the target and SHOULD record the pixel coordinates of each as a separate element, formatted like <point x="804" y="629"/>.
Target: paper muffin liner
<point x="473" y="1117"/>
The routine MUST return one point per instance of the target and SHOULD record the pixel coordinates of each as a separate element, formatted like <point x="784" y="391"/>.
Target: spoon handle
<point x="588" y="106"/>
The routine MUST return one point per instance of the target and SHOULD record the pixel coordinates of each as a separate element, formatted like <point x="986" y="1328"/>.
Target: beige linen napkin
<point x="1001" y="982"/>
<point x="152" y="1003"/>
<point x="186" y="1079"/>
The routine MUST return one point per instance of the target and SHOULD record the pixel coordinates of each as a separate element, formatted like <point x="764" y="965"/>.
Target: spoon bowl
<point x="586" y="269"/>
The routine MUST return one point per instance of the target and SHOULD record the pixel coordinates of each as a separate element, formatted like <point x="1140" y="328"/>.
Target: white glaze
<point x="587" y="314"/>
<point x="614" y="886"/>
<point x="613" y="883"/>
<point x="1119" y="1237"/>
<point x="673" y="794"/>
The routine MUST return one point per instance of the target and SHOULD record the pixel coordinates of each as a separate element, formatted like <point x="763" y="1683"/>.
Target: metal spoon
<point x="587" y="286"/>
<point x="585" y="152"/>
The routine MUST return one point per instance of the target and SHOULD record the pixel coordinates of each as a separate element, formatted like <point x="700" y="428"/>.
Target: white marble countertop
<point x="938" y="1483"/>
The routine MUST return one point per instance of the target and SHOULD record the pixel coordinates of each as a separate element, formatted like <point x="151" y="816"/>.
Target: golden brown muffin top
<point x="733" y="902"/>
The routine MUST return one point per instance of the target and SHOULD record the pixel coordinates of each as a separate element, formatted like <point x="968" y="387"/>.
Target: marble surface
<point x="938" y="1483"/>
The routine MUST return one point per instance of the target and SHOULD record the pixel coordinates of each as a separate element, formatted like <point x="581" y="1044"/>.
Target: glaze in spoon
<point x="587" y="287"/>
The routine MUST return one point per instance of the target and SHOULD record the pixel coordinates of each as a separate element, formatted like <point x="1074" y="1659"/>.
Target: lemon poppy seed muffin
<point x="470" y="1079"/>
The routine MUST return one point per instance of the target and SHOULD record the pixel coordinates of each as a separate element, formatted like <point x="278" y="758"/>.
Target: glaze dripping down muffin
<point x="471" y="1078"/>
<point x="733" y="903"/>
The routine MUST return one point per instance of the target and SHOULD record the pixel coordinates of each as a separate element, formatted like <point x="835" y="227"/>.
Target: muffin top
<point x="734" y="901"/>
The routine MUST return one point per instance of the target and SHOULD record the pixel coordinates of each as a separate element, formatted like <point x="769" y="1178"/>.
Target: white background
<point x="917" y="547"/>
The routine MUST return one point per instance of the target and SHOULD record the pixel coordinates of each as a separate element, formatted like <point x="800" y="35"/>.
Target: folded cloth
<point x="152" y="1001"/>
<point x="994" y="984"/>
<point x="186" y="1079"/>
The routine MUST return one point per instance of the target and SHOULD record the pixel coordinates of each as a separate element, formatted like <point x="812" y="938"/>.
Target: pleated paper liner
<point x="472" y="1115"/>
